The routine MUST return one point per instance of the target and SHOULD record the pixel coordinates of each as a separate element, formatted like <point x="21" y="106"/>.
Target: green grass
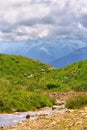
<point x="21" y="100"/>
<point x="18" y="80"/>
<point x="16" y="98"/>
<point x="76" y="102"/>
<point x="23" y="78"/>
<point x="20" y="71"/>
<point x="34" y="75"/>
<point x="72" y="77"/>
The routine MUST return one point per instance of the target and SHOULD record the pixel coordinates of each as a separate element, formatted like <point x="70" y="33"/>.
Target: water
<point x="13" y="119"/>
<point x="8" y="120"/>
<point x="16" y="118"/>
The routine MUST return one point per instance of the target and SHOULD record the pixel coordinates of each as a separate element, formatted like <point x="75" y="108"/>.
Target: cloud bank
<point x="33" y="19"/>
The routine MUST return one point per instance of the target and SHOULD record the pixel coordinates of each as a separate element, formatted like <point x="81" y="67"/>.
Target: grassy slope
<point x="72" y="77"/>
<point x="18" y="75"/>
<point x="20" y="71"/>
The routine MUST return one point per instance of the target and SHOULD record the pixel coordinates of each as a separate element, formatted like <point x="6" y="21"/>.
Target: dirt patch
<point x="63" y="96"/>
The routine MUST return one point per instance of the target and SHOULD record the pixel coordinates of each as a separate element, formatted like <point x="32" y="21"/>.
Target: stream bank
<point x="58" y="116"/>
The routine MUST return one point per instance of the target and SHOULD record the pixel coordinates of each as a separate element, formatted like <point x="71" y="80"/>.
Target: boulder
<point x="28" y="116"/>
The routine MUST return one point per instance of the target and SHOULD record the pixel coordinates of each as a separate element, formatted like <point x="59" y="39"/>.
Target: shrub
<point x="21" y="100"/>
<point x="76" y="102"/>
<point x="52" y="86"/>
<point x="80" y="87"/>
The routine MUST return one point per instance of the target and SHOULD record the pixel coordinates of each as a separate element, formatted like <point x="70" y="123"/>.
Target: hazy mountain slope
<point x="45" y="50"/>
<point x="78" y="55"/>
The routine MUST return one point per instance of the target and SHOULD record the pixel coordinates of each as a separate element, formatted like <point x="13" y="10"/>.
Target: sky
<point x="21" y="20"/>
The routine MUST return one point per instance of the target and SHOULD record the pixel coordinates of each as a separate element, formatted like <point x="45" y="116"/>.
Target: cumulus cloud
<point x="33" y="19"/>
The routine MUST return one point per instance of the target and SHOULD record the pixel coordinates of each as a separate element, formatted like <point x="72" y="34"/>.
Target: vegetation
<point x="72" y="77"/>
<point x="18" y="75"/>
<point x="77" y="102"/>
<point x="21" y="100"/>
<point x="23" y="80"/>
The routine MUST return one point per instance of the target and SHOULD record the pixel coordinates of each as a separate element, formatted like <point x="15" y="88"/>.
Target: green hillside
<point x="72" y="77"/>
<point x="23" y="80"/>
<point x="19" y="76"/>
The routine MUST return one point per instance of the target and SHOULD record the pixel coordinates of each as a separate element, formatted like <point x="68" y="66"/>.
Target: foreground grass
<point x="14" y="99"/>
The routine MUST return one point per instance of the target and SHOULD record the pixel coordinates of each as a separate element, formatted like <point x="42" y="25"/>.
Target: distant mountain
<point x="75" y="56"/>
<point x="45" y="50"/>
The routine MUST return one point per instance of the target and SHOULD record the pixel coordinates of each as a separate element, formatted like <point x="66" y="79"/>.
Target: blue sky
<point x="33" y="19"/>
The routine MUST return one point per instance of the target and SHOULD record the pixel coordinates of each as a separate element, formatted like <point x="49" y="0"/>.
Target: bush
<point x="52" y="86"/>
<point x="21" y="100"/>
<point x="80" y="87"/>
<point x="76" y="102"/>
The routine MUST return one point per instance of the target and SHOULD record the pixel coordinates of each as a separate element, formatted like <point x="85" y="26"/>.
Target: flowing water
<point x="16" y="118"/>
<point x="13" y="119"/>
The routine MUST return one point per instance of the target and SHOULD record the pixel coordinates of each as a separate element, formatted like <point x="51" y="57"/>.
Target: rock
<point x="43" y="114"/>
<point x="15" y="121"/>
<point x="78" y="123"/>
<point x="59" y="102"/>
<point x="28" y="116"/>
<point x="17" y="113"/>
<point x="25" y="75"/>
<point x="71" y="124"/>
<point x="42" y="70"/>
<point x="52" y="68"/>
<point x="30" y="76"/>
<point x="67" y="111"/>
<point x="55" y="107"/>
<point x="20" y="122"/>
<point x="58" y="107"/>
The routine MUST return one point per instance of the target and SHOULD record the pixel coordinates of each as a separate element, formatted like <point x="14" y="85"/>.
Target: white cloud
<point x="32" y="19"/>
<point x="43" y="33"/>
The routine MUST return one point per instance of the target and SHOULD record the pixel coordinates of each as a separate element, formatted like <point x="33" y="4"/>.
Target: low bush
<point x="76" y="102"/>
<point x="22" y="100"/>
<point x="52" y="86"/>
<point x="82" y="87"/>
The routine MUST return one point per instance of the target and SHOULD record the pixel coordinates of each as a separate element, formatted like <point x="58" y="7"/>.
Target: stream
<point x="15" y="118"/>
<point x="19" y="117"/>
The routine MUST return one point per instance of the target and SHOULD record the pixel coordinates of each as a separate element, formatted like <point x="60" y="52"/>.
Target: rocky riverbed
<point x="19" y="117"/>
<point x="72" y="120"/>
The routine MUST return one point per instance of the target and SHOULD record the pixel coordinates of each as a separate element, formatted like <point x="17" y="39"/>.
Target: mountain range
<point x="75" y="56"/>
<point x="49" y="51"/>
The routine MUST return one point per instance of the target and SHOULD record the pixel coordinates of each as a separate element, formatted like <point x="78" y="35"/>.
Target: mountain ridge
<point x="45" y="50"/>
<point x="75" y="56"/>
